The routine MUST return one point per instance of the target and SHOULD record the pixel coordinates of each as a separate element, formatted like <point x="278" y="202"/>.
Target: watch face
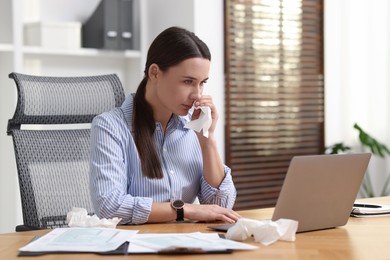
<point x="178" y="204"/>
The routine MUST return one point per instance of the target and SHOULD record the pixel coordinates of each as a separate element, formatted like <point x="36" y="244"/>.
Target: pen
<point x="366" y="206"/>
<point x="188" y="250"/>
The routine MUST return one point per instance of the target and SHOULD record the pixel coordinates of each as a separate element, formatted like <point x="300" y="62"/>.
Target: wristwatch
<point x="178" y="205"/>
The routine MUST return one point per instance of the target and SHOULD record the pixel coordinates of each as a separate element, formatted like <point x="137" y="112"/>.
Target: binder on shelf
<point x="126" y="26"/>
<point x="111" y="26"/>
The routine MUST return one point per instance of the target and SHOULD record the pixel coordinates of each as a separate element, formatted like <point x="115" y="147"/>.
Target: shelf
<point x="4" y="47"/>
<point x="82" y="52"/>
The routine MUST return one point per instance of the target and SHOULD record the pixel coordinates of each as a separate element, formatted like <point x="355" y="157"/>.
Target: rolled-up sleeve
<point x="224" y="196"/>
<point x="108" y="173"/>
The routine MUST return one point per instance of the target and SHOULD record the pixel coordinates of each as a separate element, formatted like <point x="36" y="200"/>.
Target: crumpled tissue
<point x="78" y="217"/>
<point x="265" y="232"/>
<point x="203" y="122"/>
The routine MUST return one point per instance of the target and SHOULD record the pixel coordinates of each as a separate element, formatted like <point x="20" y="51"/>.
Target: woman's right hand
<point x="209" y="213"/>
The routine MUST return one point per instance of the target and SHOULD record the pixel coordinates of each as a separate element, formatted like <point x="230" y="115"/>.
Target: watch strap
<point x="178" y="205"/>
<point x="180" y="214"/>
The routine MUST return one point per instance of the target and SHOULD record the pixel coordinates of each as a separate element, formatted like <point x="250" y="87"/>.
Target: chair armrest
<point x="22" y="228"/>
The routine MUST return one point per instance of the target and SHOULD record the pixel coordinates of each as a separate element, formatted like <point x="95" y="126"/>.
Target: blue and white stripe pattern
<point x="118" y="187"/>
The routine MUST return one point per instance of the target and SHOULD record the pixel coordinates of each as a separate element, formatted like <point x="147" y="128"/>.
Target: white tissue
<point x="265" y="232"/>
<point x="203" y="122"/>
<point x="78" y="217"/>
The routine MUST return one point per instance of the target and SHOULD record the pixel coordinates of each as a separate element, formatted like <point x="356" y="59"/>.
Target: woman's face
<point x="181" y="85"/>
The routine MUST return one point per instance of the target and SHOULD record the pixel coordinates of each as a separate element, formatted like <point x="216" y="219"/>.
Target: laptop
<point x="319" y="190"/>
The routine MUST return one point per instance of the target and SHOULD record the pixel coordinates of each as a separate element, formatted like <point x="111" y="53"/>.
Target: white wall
<point x="209" y="27"/>
<point x="5" y="27"/>
<point x="357" y="83"/>
<point x="10" y="205"/>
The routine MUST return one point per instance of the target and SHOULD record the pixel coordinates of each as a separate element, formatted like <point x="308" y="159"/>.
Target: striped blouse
<point x="118" y="187"/>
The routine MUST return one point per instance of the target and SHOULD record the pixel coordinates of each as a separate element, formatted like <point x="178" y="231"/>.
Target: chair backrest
<point x="53" y="164"/>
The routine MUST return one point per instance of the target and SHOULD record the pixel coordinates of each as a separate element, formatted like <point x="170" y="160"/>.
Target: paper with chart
<point x="80" y="240"/>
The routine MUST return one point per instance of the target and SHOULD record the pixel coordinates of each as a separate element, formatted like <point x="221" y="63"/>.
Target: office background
<point x="357" y="62"/>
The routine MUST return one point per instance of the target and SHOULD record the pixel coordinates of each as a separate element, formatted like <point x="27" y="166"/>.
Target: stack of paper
<point x="184" y="242"/>
<point x="119" y="241"/>
<point x="93" y="240"/>
<point x="370" y="210"/>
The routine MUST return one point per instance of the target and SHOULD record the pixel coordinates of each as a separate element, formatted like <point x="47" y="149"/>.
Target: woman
<point x="145" y="166"/>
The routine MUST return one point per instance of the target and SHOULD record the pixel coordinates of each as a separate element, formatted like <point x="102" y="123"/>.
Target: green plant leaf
<point x="367" y="140"/>
<point x="337" y="148"/>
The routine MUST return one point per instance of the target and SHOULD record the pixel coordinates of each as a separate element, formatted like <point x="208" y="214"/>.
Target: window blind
<point x="274" y="92"/>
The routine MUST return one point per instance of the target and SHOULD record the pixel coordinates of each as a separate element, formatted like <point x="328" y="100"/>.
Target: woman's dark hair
<point x="169" y="48"/>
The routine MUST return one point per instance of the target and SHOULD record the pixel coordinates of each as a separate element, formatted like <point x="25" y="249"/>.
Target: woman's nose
<point x="197" y="93"/>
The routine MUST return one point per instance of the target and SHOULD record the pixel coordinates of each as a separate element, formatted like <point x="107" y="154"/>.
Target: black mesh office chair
<point x="53" y="164"/>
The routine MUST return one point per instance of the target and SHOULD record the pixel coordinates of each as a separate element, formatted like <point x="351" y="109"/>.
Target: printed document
<point x="103" y="240"/>
<point x="206" y="241"/>
<point x="80" y="240"/>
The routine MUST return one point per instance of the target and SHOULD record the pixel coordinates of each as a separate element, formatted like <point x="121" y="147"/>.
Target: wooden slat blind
<point x="274" y="92"/>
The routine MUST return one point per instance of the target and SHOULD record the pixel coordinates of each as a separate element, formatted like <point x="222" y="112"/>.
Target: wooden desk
<point x="361" y="238"/>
